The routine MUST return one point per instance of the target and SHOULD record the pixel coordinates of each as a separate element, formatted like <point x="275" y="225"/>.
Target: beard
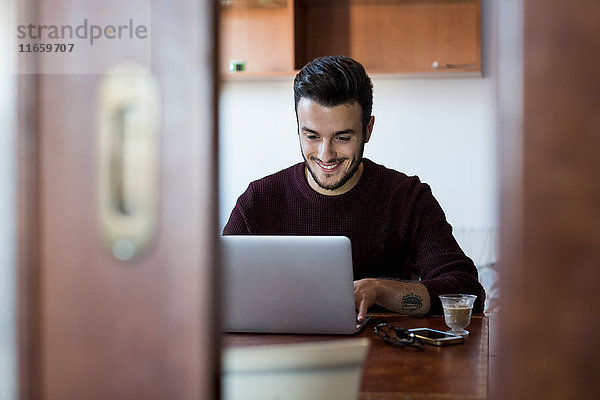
<point x="345" y="177"/>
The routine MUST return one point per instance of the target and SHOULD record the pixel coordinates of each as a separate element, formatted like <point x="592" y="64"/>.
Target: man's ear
<point x="369" y="129"/>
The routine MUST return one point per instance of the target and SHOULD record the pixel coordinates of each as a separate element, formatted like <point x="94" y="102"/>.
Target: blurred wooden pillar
<point x="549" y="136"/>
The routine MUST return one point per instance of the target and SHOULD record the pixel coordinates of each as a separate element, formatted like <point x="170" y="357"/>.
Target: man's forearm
<point x="403" y="297"/>
<point x="411" y="298"/>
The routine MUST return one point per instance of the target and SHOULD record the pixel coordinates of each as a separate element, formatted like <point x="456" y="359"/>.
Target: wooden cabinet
<point x="277" y="37"/>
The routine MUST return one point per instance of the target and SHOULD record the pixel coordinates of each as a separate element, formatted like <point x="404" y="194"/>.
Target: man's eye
<point x="343" y="138"/>
<point x="312" y="137"/>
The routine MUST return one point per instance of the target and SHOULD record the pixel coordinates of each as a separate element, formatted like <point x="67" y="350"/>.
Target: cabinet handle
<point x="436" y="65"/>
<point x="128" y="170"/>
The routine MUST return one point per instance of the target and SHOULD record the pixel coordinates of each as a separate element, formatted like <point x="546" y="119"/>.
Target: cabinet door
<point x="93" y="326"/>
<point x="392" y="36"/>
<point x="259" y="34"/>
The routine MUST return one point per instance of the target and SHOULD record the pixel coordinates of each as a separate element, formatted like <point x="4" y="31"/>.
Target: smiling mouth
<point x="329" y="167"/>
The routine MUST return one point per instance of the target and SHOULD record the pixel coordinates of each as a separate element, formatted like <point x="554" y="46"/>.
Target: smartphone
<point x="436" y="338"/>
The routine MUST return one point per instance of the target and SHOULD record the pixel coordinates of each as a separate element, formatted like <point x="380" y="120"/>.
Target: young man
<point x="397" y="228"/>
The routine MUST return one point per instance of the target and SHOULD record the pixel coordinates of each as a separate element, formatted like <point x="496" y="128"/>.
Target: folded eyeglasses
<point x="398" y="337"/>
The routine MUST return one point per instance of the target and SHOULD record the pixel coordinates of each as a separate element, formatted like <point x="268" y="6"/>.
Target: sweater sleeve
<point x="437" y="258"/>
<point x="238" y="223"/>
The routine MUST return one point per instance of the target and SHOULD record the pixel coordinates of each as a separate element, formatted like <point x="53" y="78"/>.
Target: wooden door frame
<point x="27" y="224"/>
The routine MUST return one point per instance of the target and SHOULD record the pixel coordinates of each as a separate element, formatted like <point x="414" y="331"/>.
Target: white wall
<point x="441" y="129"/>
<point x="257" y="135"/>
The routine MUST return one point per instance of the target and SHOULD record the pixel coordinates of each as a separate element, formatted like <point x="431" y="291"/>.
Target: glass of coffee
<point x="457" y="312"/>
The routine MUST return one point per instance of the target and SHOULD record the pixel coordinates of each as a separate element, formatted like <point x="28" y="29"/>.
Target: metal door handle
<point x="128" y="162"/>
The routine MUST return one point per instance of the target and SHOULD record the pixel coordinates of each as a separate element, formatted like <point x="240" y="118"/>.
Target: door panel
<point x="102" y="328"/>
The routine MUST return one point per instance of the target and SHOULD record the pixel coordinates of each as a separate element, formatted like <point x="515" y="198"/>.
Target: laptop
<point x="288" y="284"/>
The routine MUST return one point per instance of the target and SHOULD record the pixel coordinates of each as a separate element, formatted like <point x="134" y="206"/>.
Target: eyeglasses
<point x="398" y="337"/>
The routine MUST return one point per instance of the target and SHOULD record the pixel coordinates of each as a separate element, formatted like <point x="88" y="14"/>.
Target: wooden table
<point x="390" y="373"/>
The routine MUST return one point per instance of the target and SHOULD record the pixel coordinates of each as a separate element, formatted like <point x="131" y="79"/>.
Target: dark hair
<point x="334" y="80"/>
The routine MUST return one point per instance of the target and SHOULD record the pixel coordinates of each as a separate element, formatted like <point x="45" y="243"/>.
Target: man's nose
<point x="326" y="151"/>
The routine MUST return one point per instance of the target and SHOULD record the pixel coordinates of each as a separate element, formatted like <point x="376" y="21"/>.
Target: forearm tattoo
<point x="412" y="302"/>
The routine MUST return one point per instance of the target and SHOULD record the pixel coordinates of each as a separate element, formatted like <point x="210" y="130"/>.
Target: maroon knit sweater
<point x="396" y="227"/>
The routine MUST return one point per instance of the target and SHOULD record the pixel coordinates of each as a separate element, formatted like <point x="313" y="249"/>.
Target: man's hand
<point x="365" y="295"/>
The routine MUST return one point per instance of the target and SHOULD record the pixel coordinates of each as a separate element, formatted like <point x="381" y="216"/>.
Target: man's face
<point x="332" y="142"/>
